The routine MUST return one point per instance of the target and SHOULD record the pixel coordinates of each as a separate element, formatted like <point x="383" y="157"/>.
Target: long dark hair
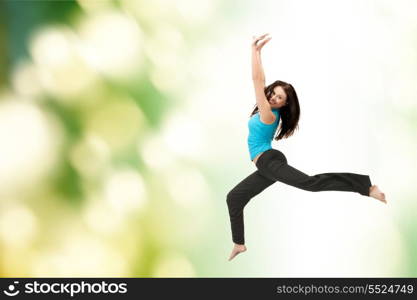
<point x="289" y="113"/>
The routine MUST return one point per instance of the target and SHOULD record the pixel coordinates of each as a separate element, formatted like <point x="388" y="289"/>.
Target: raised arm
<point x="257" y="69"/>
<point x="258" y="78"/>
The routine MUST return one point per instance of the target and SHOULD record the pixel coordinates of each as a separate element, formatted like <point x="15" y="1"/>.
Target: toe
<point x="234" y="253"/>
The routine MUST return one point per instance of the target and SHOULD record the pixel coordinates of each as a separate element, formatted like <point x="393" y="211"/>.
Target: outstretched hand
<point x="259" y="42"/>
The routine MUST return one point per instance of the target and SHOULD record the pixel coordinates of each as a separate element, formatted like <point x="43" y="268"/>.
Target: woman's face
<point x="278" y="97"/>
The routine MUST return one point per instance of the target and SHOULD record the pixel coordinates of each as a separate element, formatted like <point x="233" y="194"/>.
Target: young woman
<point x="278" y="101"/>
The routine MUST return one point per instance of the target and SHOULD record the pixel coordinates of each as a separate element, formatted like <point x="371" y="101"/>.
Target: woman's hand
<point x="259" y="42"/>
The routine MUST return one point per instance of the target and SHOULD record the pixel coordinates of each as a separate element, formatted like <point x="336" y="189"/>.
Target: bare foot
<point x="375" y="192"/>
<point x="236" y="250"/>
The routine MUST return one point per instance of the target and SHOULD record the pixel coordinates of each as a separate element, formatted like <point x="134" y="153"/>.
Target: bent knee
<point x="231" y="196"/>
<point x="236" y="200"/>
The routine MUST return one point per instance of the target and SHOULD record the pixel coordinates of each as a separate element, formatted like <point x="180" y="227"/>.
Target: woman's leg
<point x="239" y="196"/>
<point x="275" y="167"/>
<point x="272" y="166"/>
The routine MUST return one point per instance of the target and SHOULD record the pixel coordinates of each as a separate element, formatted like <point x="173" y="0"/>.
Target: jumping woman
<point x="279" y="101"/>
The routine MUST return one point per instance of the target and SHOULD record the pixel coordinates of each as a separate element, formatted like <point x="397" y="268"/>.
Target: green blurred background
<point x="123" y="127"/>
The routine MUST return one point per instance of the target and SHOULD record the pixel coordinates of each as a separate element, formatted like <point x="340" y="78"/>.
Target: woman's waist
<point x="264" y="157"/>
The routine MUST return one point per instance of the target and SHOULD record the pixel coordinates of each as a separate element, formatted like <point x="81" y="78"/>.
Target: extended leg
<point x="278" y="169"/>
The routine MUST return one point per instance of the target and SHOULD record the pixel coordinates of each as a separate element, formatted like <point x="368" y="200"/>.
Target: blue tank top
<point x="261" y="134"/>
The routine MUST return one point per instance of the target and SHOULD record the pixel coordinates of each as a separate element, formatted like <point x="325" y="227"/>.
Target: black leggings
<point x="271" y="167"/>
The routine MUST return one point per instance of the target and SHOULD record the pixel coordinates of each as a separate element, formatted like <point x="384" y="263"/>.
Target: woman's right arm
<point x="257" y="70"/>
<point x="257" y="44"/>
<point x="258" y="78"/>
